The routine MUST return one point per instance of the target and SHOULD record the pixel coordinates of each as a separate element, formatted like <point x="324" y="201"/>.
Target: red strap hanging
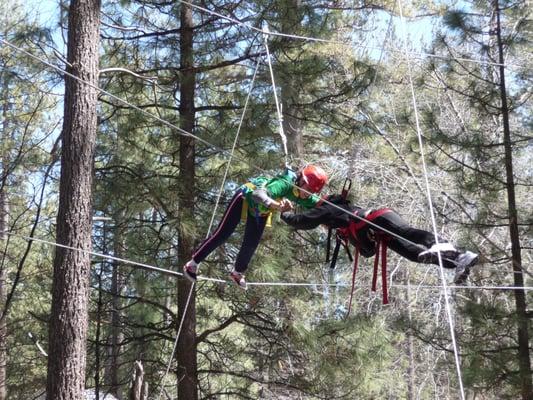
<point x="381" y="251"/>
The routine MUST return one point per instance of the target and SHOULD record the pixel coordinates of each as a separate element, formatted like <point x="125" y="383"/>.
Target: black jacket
<point x="324" y="214"/>
<point x="333" y="217"/>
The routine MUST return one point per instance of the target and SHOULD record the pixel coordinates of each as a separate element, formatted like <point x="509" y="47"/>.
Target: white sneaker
<point x="238" y="278"/>
<point x="465" y="262"/>
<point x="189" y="270"/>
<point x="446" y="250"/>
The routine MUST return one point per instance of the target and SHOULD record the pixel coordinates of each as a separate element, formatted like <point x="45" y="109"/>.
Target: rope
<point x="220" y="191"/>
<point x="175" y="274"/>
<point x="419" y="55"/>
<point x="431" y="210"/>
<point x="278" y="107"/>
<point x="180" y="131"/>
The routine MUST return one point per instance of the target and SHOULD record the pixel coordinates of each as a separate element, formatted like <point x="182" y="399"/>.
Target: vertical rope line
<point x="431" y="210"/>
<point x="278" y="107"/>
<point x="220" y="191"/>
<point x="234" y="145"/>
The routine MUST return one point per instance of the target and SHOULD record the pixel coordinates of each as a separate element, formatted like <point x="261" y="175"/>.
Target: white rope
<point x="220" y="191"/>
<point x="180" y="131"/>
<point x="419" y="55"/>
<point x="278" y="107"/>
<point x="431" y="210"/>
<point x="164" y="271"/>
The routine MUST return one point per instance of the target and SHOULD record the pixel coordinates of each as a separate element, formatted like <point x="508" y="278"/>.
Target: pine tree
<point x="68" y="323"/>
<point x="24" y="127"/>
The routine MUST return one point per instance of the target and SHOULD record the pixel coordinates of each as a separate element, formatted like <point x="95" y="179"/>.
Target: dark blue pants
<point x="231" y="218"/>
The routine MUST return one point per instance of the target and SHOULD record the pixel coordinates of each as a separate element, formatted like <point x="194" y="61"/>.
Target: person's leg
<point x="395" y="224"/>
<point x="405" y="249"/>
<point x="252" y="235"/>
<point x="225" y="228"/>
<point x="450" y="257"/>
<point x="414" y="241"/>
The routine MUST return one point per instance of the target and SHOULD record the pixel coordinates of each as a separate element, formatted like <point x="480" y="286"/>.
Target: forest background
<point x="355" y="102"/>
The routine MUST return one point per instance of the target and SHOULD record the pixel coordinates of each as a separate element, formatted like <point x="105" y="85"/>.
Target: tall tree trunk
<point x="187" y="374"/>
<point x="139" y="388"/>
<point x="111" y="377"/>
<point x="70" y="288"/>
<point x="4" y="222"/>
<point x="99" y="309"/>
<point x="520" y="296"/>
<point x="97" y="350"/>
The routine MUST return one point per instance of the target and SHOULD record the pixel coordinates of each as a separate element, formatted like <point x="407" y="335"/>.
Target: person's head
<point x="312" y="179"/>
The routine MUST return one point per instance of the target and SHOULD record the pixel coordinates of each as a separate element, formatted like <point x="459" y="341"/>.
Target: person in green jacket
<point x="255" y="201"/>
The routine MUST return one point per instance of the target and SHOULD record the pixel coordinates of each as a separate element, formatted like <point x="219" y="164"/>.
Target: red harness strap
<point x="381" y="244"/>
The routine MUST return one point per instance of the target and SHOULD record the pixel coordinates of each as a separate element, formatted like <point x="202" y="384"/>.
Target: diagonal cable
<point x="338" y="42"/>
<point x="431" y="210"/>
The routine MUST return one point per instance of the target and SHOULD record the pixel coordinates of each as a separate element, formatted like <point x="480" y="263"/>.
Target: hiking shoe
<point x="238" y="278"/>
<point x="189" y="271"/>
<point x="446" y="250"/>
<point x="465" y="262"/>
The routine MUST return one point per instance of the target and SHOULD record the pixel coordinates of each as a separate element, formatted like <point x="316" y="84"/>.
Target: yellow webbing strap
<point x="245" y="206"/>
<point x="269" y="220"/>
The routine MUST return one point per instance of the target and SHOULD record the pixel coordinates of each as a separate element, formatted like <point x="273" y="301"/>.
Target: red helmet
<point x="314" y="177"/>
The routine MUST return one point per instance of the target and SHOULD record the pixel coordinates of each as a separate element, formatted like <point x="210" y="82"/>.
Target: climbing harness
<point x="349" y="234"/>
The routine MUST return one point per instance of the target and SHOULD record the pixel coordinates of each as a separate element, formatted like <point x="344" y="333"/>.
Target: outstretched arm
<point x="335" y="214"/>
<point x="325" y="214"/>
<point x="307" y="220"/>
<point x="261" y="196"/>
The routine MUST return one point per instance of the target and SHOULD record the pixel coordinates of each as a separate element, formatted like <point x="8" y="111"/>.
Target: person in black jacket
<point x="416" y="244"/>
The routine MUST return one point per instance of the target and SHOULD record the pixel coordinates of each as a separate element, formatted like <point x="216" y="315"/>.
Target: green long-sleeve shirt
<point x="279" y="187"/>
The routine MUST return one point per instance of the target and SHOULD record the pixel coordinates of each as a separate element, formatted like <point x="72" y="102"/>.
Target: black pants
<point x="231" y="218"/>
<point x="423" y="240"/>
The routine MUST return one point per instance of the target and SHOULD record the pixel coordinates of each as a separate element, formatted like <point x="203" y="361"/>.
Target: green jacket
<point x="282" y="186"/>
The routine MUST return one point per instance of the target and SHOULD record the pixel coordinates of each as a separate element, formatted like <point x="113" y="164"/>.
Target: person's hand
<point x="285" y="205"/>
